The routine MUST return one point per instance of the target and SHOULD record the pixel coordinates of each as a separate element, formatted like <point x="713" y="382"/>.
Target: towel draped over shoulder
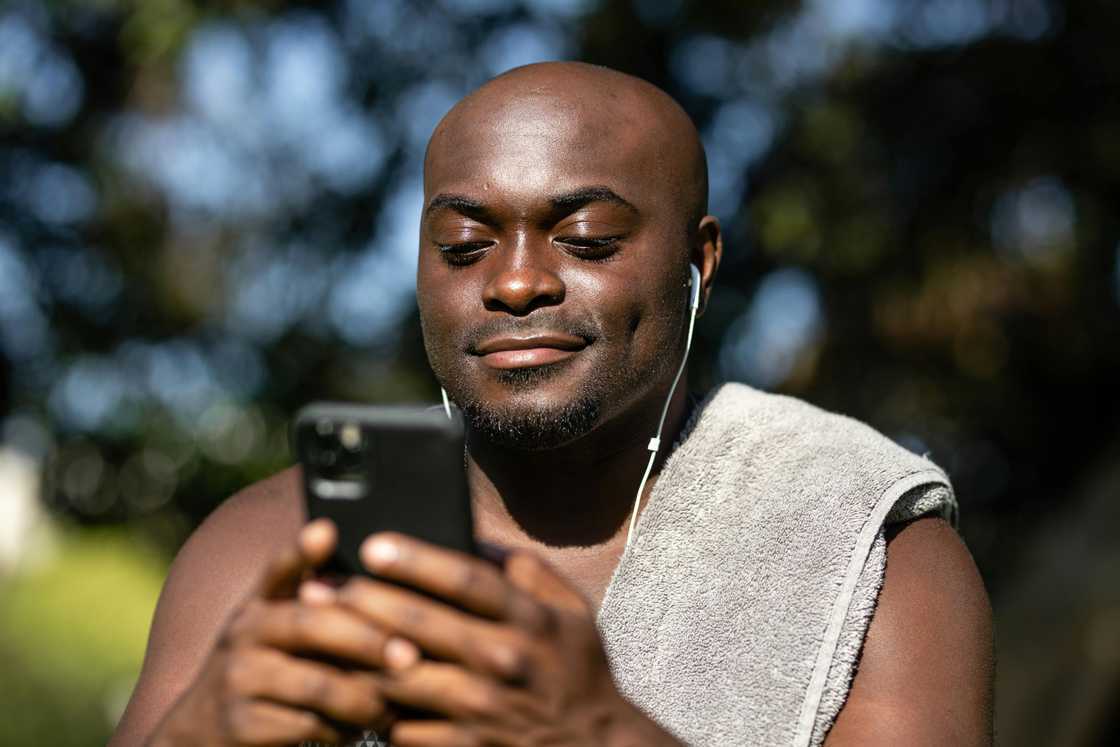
<point x="738" y="614"/>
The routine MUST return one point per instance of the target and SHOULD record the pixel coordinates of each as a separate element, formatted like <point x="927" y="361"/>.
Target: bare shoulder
<point x="217" y="566"/>
<point x="227" y="553"/>
<point x="926" y="672"/>
<point x="247" y="526"/>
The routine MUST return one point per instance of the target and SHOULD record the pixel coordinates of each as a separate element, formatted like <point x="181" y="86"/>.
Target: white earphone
<point x="654" y="443"/>
<point x="694" y="286"/>
<point x="446" y="402"/>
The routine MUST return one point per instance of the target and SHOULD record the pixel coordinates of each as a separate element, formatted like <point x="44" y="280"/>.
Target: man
<point x="564" y="204"/>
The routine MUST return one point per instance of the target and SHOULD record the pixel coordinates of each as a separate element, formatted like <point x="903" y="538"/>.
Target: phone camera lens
<point x="351" y="436"/>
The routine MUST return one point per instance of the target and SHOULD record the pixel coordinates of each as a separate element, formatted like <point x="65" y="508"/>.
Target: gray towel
<point x="737" y="616"/>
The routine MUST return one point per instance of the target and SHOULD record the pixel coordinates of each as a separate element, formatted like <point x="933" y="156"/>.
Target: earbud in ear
<point x="694" y="287"/>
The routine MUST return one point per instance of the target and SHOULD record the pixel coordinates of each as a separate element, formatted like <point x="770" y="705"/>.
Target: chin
<point x="534" y="428"/>
<point x="530" y="378"/>
<point x="531" y="409"/>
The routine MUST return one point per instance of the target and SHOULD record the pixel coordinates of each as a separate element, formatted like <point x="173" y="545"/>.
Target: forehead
<point x="531" y="146"/>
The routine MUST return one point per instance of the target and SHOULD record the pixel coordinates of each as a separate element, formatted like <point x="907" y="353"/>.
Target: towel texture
<point x="738" y="614"/>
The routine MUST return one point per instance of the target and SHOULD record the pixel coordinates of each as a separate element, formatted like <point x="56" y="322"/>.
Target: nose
<point x="522" y="286"/>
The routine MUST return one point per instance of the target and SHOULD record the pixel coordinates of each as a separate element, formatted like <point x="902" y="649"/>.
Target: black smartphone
<point x="384" y="468"/>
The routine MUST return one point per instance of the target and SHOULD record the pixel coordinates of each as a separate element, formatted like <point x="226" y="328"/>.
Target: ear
<point x="707" y="251"/>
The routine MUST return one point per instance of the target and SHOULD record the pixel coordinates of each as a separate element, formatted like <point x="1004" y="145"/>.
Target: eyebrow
<point x="565" y="203"/>
<point x="460" y="204"/>
<point x="571" y="201"/>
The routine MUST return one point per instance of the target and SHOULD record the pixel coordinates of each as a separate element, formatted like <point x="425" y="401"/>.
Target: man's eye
<point x="591" y="248"/>
<point x="463" y="252"/>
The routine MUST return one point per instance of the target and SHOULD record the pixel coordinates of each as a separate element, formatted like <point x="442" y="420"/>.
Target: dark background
<point x="208" y="218"/>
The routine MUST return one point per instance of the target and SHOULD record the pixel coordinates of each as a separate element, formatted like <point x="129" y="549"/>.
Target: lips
<point x="529" y="351"/>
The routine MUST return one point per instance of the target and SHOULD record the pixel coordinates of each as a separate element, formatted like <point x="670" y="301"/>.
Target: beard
<point x="530" y="426"/>
<point x="521" y="421"/>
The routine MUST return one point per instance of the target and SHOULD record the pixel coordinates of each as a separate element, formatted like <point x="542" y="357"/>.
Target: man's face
<point x="552" y="277"/>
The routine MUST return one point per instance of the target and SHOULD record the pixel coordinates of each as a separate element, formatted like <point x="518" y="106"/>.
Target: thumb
<point x="314" y="544"/>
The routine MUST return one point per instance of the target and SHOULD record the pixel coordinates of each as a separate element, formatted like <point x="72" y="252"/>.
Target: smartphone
<point x="384" y="468"/>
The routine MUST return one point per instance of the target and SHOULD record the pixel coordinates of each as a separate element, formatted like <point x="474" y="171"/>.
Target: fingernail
<point x="316" y="593"/>
<point x="400" y="654"/>
<point x="318" y="532"/>
<point x="318" y="526"/>
<point x="379" y="552"/>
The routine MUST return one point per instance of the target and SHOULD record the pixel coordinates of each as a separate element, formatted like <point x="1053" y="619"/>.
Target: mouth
<point x="505" y="353"/>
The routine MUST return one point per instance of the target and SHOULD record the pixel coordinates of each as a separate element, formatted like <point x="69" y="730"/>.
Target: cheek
<point x="659" y="317"/>
<point x="632" y="310"/>
<point x="436" y="300"/>
<point x="440" y="297"/>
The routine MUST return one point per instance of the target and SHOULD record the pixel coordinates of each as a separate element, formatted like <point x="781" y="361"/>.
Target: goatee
<point x="532" y="428"/>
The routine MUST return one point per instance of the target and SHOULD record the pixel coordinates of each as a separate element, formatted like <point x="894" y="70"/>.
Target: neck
<point x="577" y="496"/>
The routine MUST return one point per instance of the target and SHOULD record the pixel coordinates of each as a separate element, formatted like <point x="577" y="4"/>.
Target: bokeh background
<point x="208" y="216"/>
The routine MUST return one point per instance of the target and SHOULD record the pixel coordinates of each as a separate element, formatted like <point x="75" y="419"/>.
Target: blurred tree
<point x="208" y="217"/>
<point x="954" y="202"/>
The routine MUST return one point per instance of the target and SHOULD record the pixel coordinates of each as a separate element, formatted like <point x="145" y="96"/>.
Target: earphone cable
<point x="655" y="442"/>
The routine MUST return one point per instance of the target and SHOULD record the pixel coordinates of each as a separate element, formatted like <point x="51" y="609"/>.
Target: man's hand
<point x="514" y="657"/>
<point x="268" y="681"/>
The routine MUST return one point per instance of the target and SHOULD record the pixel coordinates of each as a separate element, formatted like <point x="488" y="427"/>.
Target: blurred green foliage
<point x="72" y="634"/>
<point x="208" y="212"/>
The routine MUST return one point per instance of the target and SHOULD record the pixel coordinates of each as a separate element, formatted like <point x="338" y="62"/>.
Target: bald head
<point x="569" y="109"/>
<point x="564" y="206"/>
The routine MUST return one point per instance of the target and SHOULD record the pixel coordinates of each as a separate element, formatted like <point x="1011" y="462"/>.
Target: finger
<point x="443" y="631"/>
<point x="400" y="654"/>
<point x="448" y="690"/>
<point x="332" y="631"/>
<point x="315" y="543"/>
<point x="468" y="582"/>
<point x="536" y="578"/>
<point x="496" y="554"/>
<point x="431" y="734"/>
<point x="262" y="723"/>
<point x="316" y="593"/>
<point x="349" y="697"/>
